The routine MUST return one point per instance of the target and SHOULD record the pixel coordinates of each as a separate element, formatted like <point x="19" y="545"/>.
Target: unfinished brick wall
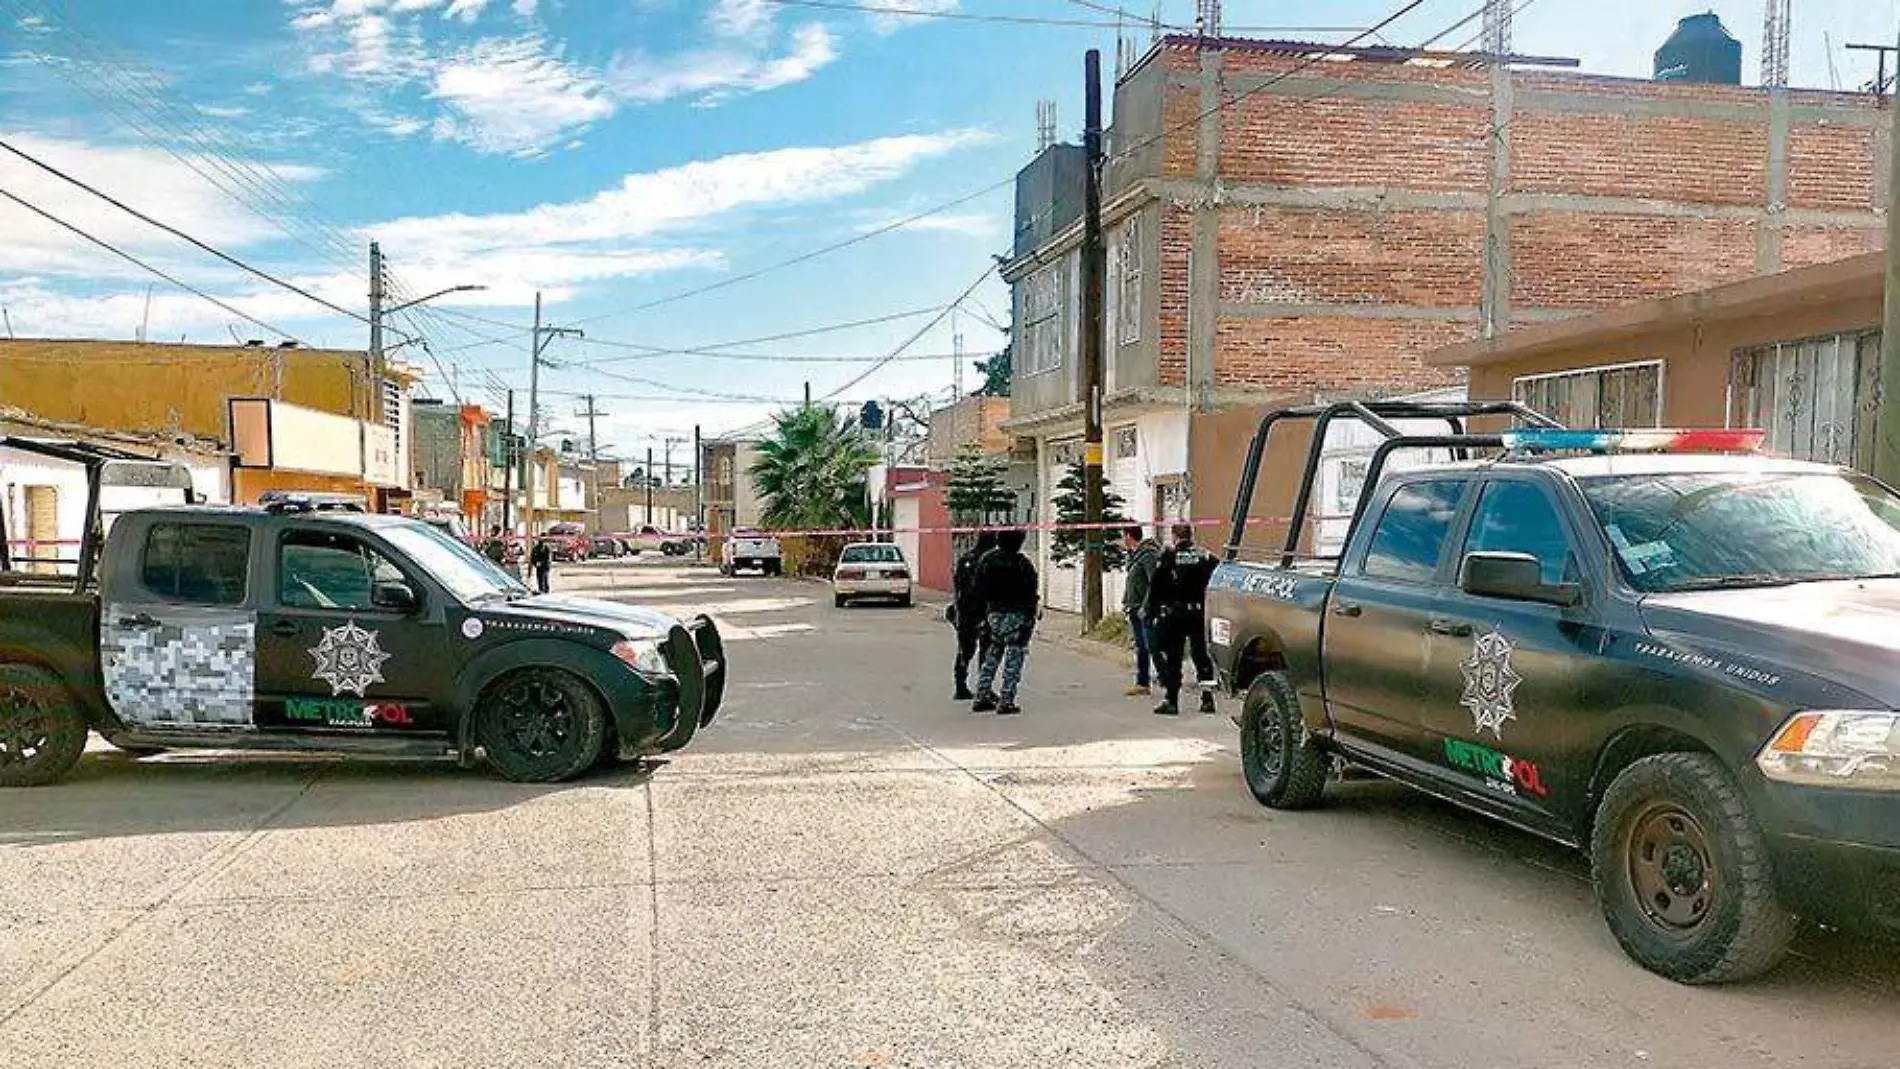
<point x="1354" y="200"/>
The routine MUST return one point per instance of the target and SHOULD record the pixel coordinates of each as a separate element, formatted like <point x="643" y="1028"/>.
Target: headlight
<point x="1836" y="748"/>
<point x="643" y="655"/>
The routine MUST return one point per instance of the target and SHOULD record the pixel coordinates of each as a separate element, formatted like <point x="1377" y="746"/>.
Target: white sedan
<point x="871" y="570"/>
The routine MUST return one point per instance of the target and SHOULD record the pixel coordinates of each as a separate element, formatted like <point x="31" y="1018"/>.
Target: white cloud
<point x="224" y="111"/>
<point x="739" y="18"/>
<point x="968" y="224"/>
<point x="717" y="73"/>
<point x="166" y="189"/>
<point x="467" y="10"/>
<point x="515" y="96"/>
<point x="886" y="23"/>
<point x="526" y="8"/>
<point x="258" y="89"/>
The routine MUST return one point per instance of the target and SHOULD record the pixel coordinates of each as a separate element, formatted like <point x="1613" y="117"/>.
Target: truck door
<point x="1376" y="641"/>
<point x="347" y="642"/>
<point x="177" y="637"/>
<point x="1507" y="676"/>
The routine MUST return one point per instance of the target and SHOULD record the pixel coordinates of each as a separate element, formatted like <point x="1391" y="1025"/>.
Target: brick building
<point x="1280" y="229"/>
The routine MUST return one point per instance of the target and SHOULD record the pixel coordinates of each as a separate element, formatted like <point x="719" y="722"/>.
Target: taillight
<point x="851" y="573"/>
<point x="900" y="574"/>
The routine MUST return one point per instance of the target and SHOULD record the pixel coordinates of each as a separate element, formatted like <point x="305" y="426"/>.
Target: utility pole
<point x="593" y="455"/>
<point x="1094" y="271"/>
<point x="807" y="393"/>
<point x="537" y="343"/>
<point x="508" y="469"/>
<point x="375" y="327"/>
<point x="699" y="492"/>
<point x="649" y="485"/>
<point x="1887" y="454"/>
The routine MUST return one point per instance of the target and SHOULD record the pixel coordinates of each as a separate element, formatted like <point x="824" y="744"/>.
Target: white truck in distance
<point x="749" y="548"/>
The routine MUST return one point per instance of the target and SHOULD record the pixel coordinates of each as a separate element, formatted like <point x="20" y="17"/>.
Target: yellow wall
<point x="169" y="389"/>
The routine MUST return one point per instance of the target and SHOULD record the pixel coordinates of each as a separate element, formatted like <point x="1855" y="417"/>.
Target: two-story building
<point x="1287" y="222"/>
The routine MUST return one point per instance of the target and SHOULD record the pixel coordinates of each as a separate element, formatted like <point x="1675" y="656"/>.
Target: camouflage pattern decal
<point x="197" y="667"/>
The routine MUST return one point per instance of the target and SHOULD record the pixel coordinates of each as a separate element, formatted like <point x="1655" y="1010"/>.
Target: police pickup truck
<point x="1660" y="647"/>
<point x="288" y="628"/>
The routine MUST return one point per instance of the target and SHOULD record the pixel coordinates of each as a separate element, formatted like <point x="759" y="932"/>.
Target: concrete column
<point x="1494" y="308"/>
<point x="1768" y="229"/>
<point x="1204" y="259"/>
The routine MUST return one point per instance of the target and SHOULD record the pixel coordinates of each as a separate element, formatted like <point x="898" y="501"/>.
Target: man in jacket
<point x="542" y="559"/>
<point x="966" y="612"/>
<point x="1176" y="608"/>
<point x="1142" y="555"/>
<point x="1006" y="583"/>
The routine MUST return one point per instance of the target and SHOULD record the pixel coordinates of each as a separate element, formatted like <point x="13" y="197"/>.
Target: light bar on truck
<point x="1553" y="440"/>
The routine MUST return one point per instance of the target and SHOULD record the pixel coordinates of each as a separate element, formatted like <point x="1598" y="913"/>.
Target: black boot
<point x="984" y="704"/>
<point x="963" y="689"/>
<point x="1167" y="708"/>
<point x="1207" y="702"/>
<point x="1009" y="709"/>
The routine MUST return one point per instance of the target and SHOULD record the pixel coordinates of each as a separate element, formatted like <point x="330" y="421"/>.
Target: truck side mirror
<point x="1515" y="577"/>
<point x="397" y="597"/>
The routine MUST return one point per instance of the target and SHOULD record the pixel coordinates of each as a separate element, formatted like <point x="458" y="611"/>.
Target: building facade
<point x="169" y="391"/>
<point x="1281" y="231"/>
<point x="1796" y="354"/>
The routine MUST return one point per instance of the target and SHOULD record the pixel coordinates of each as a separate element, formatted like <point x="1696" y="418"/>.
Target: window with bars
<point x="1624" y="395"/>
<point x="1818" y="399"/>
<point x="1042" y="320"/>
<point x="1127" y="265"/>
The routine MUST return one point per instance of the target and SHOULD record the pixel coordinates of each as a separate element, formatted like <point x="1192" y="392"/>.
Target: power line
<point x="912" y="340"/>
<point x="122" y="254"/>
<point x="648" y="351"/>
<point x="180" y="234"/>
<point x="1029" y="20"/>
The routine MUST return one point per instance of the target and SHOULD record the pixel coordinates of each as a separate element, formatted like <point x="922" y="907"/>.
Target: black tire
<point x="1284" y="766"/>
<point x="42" y="731"/>
<point x="904" y="602"/>
<point x="541" y="725"/>
<point x="775" y="568"/>
<point x="839" y="601"/>
<point x="1682" y="872"/>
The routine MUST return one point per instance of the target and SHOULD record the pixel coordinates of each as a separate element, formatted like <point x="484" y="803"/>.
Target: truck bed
<point x="50" y="625"/>
<point x="1264" y="616"/>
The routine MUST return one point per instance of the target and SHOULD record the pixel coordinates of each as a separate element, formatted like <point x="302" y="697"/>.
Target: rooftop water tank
<point x="1700" y="50"/>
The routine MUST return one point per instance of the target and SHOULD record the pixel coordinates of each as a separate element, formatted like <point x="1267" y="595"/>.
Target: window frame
<point x="1361" y="553"/>
<point x="145" y="554"/>
<point x="277" y="603"/>
<point x="1598" y="370"/>
<point x="1049" y="322"/>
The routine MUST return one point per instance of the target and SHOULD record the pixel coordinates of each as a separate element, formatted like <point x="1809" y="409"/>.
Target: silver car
<point x="871" y="570"/>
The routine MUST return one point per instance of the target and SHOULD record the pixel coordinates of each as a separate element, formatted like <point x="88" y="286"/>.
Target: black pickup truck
<point x="1660" y="647"/>
<point x="287" y="628"/>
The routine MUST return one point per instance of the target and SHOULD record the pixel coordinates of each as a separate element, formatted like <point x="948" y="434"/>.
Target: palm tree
<point x="812" y="469"/>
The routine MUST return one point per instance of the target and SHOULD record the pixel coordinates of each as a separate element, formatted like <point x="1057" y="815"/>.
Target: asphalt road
<point x="847" y="869"/>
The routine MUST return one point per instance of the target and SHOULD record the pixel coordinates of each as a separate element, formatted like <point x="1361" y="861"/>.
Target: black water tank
<point x="1700" y="50"/>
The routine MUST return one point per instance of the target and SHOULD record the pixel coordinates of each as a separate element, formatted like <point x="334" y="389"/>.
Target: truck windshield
<point x="467" y="574"/>
<point x="1712" y="530"/>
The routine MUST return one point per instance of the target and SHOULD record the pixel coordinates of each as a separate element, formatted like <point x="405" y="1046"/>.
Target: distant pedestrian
<point x="1006" y="583"/>
<point x="1143" y="553"/>
<point x="1176" y="608"/>
<point x="967" y="613"/>
<point x="542" y="559"/>
<point x="496" y="548"/>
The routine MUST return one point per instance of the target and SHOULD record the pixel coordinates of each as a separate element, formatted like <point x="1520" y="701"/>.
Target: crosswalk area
<point x="746" y="608"/>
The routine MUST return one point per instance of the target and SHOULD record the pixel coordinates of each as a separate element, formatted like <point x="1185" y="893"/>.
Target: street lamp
<point x="439" y="293"/>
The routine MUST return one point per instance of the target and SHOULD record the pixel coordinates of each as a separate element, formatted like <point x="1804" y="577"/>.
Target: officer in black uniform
<point x="969" y="614"/>
<point x="1177" y="611"/>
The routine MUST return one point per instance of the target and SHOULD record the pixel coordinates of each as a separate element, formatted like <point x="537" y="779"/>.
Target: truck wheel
<point x="1284" y="767"/>
<point x="838" y="601"/>
<point x="541" y="725"/>
<point x="42" y="733"/>
<point x="1682" y="872"/>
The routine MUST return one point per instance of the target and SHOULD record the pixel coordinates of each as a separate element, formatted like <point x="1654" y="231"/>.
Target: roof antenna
<point x="1045" y="124"/>
<point x="4" y="317"/>
<point x="1207" y="18"/>
<point x="1497" y="28"/>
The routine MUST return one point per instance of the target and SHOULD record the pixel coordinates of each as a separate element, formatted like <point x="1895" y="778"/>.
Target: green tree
<point x="1066" y="546"/>
<point x="995" y="372"/>
<point x="811" y="470"/>
<point x="977" y="492"/>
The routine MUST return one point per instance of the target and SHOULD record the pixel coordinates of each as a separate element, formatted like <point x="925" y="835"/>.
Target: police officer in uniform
<point x="968" y="613"/>
<point x="1176" y="609"/>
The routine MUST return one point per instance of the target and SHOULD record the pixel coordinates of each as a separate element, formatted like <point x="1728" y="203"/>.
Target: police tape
<point x="986" y="528"/>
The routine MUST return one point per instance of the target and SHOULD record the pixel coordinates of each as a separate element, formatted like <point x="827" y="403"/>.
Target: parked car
<point x="647" y="539"/>
<point x="569" y="541"/>
<point x="871" y="570"/>
<point x="603" y="547"/>
<point x="1669" y="652"/>
<point x="748" y="548"/>
<point x="280" y="629"/>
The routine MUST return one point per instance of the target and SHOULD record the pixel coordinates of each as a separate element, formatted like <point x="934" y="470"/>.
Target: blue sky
<point x="609" y="153"/>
